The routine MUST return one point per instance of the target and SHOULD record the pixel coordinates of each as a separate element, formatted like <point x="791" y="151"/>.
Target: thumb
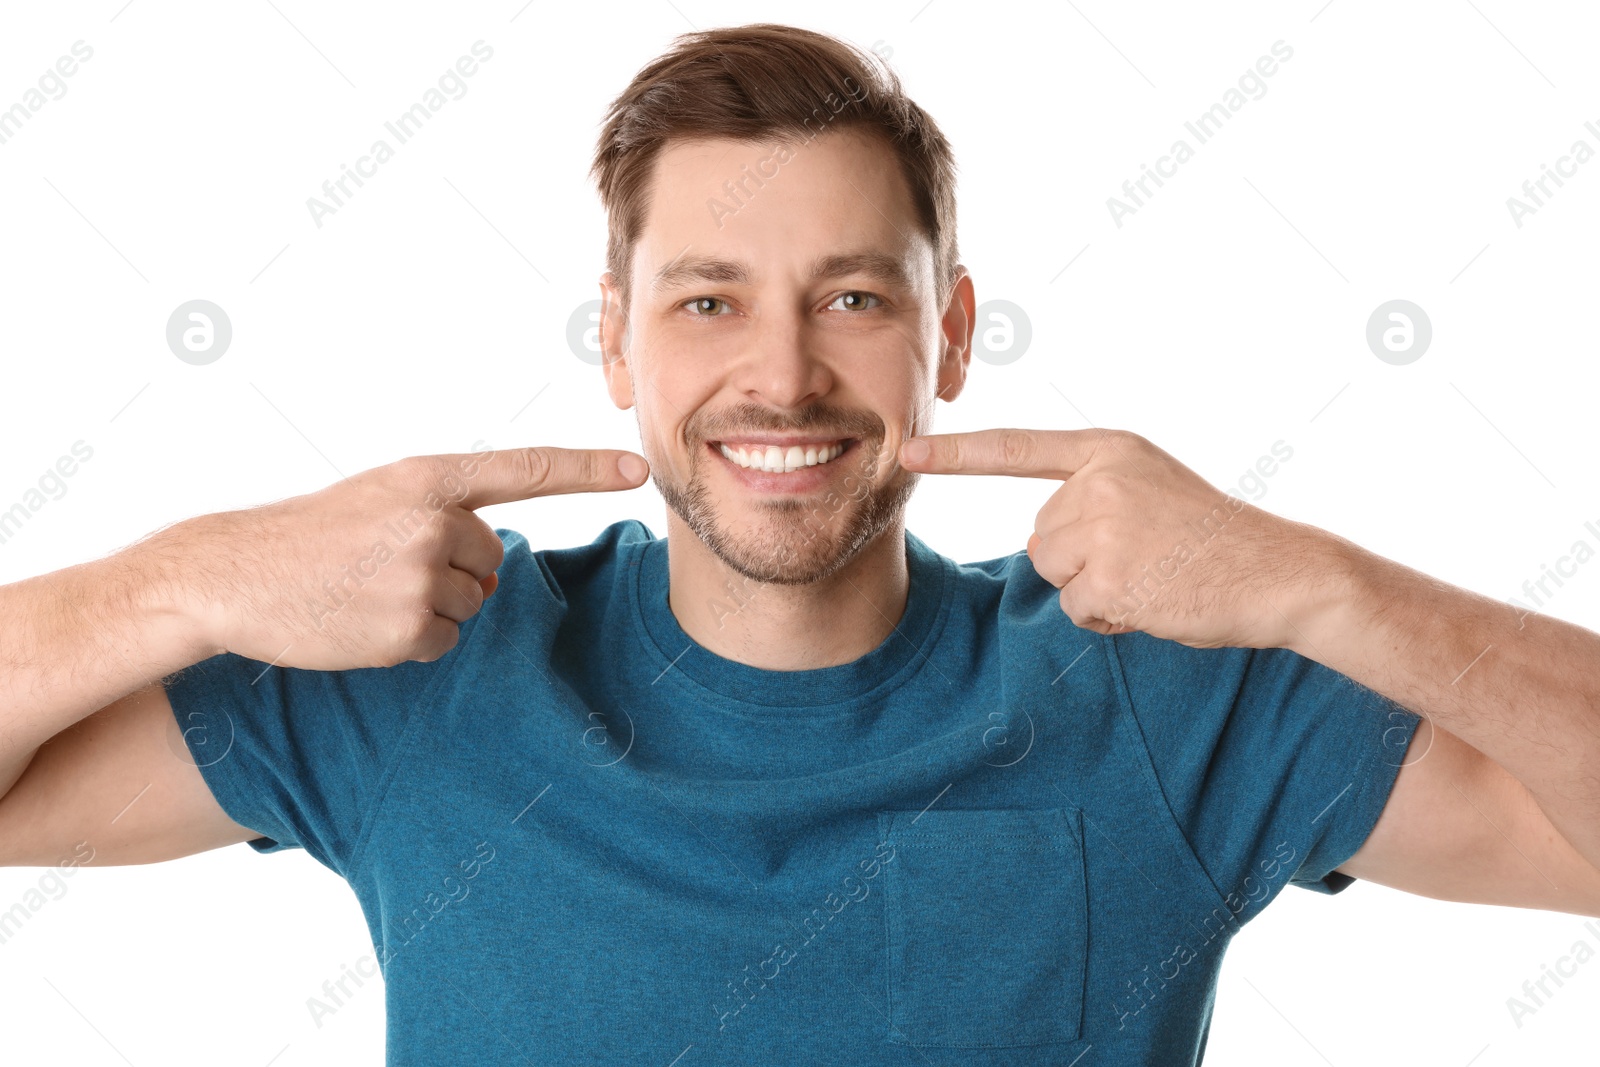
<point x="522" y="473"/>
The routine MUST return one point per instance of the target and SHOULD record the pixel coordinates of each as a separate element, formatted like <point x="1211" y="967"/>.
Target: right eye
<point x="705" y="306"/>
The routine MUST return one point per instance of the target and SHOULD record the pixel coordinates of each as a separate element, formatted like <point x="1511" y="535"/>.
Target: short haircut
<point x="760" y="83"/>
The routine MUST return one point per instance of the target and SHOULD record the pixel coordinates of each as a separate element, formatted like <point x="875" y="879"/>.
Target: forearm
<point x="1522" y="688"/>
<point x="74" y="640"/>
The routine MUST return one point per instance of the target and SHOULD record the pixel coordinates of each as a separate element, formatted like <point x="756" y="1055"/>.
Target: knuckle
<point x="1105" y="491"/>
<point x="1107" y="444"/>
<point x="1092" y="543"/>
<point x="393" y="653"/>
<point x="470" y="592"/>
<point x="420" y="589"/>
<point x="1131" y="446"/>
<point x="412" y="470"/>
<point x="426" y="541"/>
<point x="1096" y="588"/>
<point x="1016" y="448"/>
<point x="1107" y="536"/>
<point x="587" y="466"/>
<point x="533" y="466"/>
<point x="443" y="635"/>
<point x="411" y="630"/>
<point x="482" y="546"/>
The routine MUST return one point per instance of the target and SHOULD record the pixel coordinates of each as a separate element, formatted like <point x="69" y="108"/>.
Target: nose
<point x="782" y="367"/>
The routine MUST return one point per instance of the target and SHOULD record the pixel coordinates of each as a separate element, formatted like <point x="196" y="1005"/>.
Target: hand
<point x="1137" y="541"/>
<point x="372" y="571"/>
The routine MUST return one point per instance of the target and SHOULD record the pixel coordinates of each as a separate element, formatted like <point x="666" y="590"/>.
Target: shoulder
<point x="1003" y="588"/>
<point x="562" y="569"/>
<point x="609" y="540"/>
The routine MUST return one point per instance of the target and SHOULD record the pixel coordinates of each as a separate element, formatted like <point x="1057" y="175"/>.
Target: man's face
<point x="784" y="335"/>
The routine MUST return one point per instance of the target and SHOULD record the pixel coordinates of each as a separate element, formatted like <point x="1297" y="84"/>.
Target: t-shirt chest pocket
<point x="986" y="923"/>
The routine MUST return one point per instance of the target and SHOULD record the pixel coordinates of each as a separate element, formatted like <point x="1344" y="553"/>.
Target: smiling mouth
<point x="783" y="459"/>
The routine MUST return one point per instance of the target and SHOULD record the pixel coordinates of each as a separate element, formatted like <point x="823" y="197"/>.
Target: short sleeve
<point x="1274" y="766"/>
<point x="302" y="757"/>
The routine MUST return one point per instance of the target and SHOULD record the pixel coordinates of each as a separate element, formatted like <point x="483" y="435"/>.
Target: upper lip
<point x="780" y="440"/>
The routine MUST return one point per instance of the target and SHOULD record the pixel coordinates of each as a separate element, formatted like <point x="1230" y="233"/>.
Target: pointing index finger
<point x="522" y="473"/>
<point x="1019" y="453"/>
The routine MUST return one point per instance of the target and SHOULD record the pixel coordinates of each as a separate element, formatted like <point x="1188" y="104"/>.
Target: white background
<point x="1227" y="314"/>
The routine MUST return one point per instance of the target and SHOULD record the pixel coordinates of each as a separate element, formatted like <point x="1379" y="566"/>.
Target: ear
<point x="957" y="325"/>
<point x="614" y="339"/>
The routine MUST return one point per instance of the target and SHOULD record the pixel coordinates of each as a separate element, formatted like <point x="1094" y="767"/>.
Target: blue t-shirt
<point x="994" y="839"/>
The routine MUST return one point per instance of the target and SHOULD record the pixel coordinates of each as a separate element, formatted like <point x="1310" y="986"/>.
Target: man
<point x="788" y="785"/>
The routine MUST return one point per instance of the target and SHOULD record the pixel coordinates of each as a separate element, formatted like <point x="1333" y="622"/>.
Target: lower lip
<point x="803" y="480"/>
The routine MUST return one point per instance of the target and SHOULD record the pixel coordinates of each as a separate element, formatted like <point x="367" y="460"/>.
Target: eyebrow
<point x="877" y="265"/>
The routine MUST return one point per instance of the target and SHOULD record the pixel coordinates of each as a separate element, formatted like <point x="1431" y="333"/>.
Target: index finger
<point x="1020" y="453"/>
<point x="498" y="477"/>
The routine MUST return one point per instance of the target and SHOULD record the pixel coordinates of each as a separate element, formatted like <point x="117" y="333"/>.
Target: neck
<point x="787" y="627"/>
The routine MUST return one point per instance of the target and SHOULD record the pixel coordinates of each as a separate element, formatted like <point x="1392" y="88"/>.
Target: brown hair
<point x="751" y="83"/>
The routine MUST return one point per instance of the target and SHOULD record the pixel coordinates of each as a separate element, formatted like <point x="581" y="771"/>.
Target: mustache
<point x="816" y="418"/>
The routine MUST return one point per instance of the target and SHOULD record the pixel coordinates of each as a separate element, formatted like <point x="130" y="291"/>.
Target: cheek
<point x="661" y="407"/>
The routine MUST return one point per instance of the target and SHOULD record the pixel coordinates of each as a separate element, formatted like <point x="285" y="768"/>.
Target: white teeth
<point x="777" y="460"/>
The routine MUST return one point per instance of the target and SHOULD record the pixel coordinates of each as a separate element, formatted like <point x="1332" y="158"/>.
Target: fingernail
<point x="632" y="467"/>
<point x="916" y="450"/>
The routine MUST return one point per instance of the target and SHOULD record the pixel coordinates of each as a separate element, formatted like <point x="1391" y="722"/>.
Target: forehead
<point x="779" y="203"/>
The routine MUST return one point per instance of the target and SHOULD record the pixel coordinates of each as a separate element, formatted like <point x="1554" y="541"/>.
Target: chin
<point x="789" y="542"/>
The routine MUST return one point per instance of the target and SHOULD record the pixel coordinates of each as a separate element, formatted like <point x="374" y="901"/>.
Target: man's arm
<point x="86" y="724"/>
<point x="115" y="788"/>
<point x="1499" y="801"/>
<point x="1137" y="541"/>
<point x="80" y="638"/>
<point x="82" y="650"/>
<point x="1458" y="826"/>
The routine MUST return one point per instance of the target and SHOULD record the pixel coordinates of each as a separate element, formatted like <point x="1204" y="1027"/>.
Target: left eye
<point x="857" y="301"/>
